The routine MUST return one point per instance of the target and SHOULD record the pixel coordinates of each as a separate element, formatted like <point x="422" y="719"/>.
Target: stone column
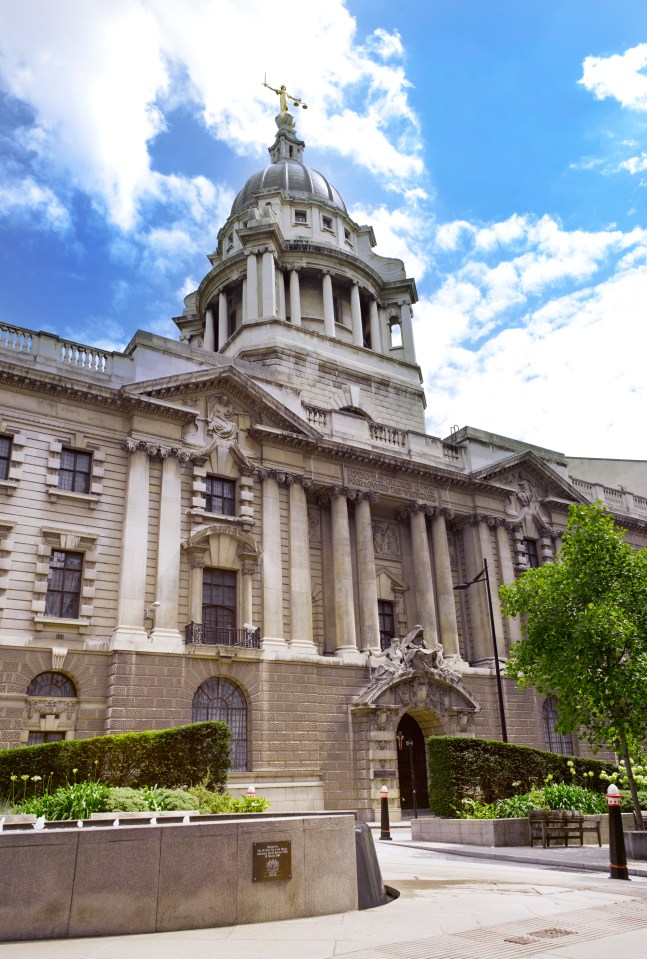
<point x="300" y="585"/>
<point x="295" y="298"/>
<point x="268" y="285"/>
<point x="328" y="305"/>
<point x="485" y="526"/>
<point x="244" y="303"/>
<point x="209" y="338"/>
<point x="272" y="565"/>
<point x="223" y="320"/>
<point x="130" y="630"/>
<point x="280" y="286"/>
<point x="247" y="571"/>
<point x="197" y="562"/>
<point x="407" y="333"/>
<point x="445" y="587"/>
<point x="424" y="586"/>
<point x="251" y="312"/>
<point x="343" y="579"/>
<point x="476" y="597"/>
<point x="376" y="339"/>
<point x="165" y="632"/>
<point x="356" y="315"/>
<point x="369" y="628"/>
<point x="507" y="574"/>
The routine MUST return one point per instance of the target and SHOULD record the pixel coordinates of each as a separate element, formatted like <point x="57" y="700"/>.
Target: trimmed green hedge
<point x="170" y="757"/>
<point x="486" y="769"/>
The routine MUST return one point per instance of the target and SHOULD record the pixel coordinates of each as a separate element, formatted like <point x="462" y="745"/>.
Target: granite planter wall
<point x="102" y="880"/>
<point x="494" y="832"/>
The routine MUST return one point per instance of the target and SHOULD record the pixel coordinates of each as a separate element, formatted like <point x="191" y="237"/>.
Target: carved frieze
<point x="407" y="488"/>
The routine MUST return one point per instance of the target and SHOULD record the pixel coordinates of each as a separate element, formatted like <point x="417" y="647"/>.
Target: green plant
<point x="125" y="799"/>
<point x="517" y="806"/>
<point x="250" y="804"/>
<point x="169" y="757"/>
<point x="568" y="796"/>
<point x="210" y="801"/>
<point x="488" y="770"/>
<point x="177" y="800"/>
<point x="474" y="809"/>
<point x="74" y="801"/>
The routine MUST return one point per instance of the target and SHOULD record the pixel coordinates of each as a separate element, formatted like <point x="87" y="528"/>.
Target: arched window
<point x="556" y="742"/>
<point x="48" y="721"/>
<point x="221" y="699"/>
<point x="396" y="333"/>
<point x="51" y="684"/>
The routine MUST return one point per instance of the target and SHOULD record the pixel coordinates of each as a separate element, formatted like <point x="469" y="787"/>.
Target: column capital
<point x="197" y="556"/>
<point x="405" y="511"/>
<point x="367" y="495"/>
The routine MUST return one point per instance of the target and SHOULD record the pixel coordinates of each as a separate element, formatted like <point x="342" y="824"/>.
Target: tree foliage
<point x="584" y="621"/>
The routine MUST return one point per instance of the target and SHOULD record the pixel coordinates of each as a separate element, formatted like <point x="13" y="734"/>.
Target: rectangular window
<point x="36" y="738"/>
<point x="220" y="496"/>
<point x="387" y="623"/>
<point x="75" y="470"/>
<point x="64" y="584"/>
<point x="326" y="223"/>
<point x="300" y="216"/>
<point x="5" y="456"/>
<point x="531" y="552"/>
<point x="218" y="604"/>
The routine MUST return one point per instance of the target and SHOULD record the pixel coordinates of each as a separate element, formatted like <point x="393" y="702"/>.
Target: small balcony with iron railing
<point x="198" y="634"/>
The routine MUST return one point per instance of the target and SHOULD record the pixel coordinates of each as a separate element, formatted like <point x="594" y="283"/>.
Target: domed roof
<point x="295" y="179"/>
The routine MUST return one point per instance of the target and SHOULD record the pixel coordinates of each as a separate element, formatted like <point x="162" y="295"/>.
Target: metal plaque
<point x="271" y="860"/>
<point x="384" y="774"/>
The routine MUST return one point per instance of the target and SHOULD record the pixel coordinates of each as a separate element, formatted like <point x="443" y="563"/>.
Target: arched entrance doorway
<point x="412" y="764"/>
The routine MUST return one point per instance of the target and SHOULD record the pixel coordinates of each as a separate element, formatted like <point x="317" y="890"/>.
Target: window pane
<point x="5" y="456"/>
<point x="74" y="472"/>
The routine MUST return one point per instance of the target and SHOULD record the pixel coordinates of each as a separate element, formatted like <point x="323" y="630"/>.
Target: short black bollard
<point x="385" y="829"/>
<point x="617" y="854"/>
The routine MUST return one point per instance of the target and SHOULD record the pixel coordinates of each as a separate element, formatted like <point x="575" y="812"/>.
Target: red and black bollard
<point x="617" y="854"/>
<point x="385" y="829"/>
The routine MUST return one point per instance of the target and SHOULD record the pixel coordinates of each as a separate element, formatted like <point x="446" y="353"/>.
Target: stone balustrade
<point x="45" y="349"/>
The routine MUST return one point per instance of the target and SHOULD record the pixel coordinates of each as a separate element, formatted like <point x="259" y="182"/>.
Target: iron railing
<point x="246" y="638"/>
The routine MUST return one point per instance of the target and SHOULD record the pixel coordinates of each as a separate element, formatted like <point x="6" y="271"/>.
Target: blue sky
<point x="499" y="148"/>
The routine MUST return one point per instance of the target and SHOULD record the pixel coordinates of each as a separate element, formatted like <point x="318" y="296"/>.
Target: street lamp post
<point x="484" y="575"/>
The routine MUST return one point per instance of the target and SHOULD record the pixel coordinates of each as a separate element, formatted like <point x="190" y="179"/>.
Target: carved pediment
<point x="223" y="395"/>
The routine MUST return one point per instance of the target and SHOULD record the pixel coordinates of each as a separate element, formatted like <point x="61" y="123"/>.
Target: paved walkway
<point x="450" y="907"/>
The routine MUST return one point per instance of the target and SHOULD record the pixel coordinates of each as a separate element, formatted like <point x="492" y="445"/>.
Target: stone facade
<point x="240" y="523"/>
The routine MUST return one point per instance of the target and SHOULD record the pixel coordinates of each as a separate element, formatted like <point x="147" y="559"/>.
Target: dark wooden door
<point x="412" y="755"/>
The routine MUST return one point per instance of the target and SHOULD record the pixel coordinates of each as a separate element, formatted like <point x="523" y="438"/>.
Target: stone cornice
<point x="88" y="393"/>
<point x="332" y="451"/>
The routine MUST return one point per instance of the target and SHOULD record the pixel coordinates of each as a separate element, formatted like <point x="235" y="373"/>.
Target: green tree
<point x="584" y="621"/>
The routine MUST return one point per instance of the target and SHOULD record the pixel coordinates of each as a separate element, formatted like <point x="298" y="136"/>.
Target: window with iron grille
<point x="51" y="684"/>
<point x="5" y="456"/>
<point x="75" y="470"/>
<point x="532" y="555"/>
<point x="556" y="742"/>
<point x="387" y="622"/>
<point x="64" y="584"/>
<point x="220" y="699"/>
<point x="220" y="496"/>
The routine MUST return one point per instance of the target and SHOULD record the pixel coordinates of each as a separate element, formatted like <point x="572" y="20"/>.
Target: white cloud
<point x="566" y="369"/>
<point x="403" y="233"/>
<point x="100" y="78"/>
<point x="620" y="76"/>
<point x="27" y="200"/>
<point x="635" y="164"/>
